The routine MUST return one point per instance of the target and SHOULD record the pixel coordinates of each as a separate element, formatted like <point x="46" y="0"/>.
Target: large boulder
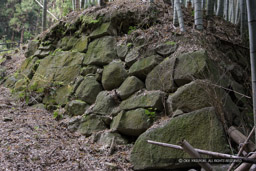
<point x="62" y="67"/>
<point x="105" y="139"/>
<point x="144" y="99"/>
<point x="199" y="94"/>
<point x="193" y="65"/>
<point x="28" y="67"/>
<point x="113" y="75"/>
<point x="76" y="107"/>
<point x="101" y="51"/>
<point x="90" y="69"/>
<point x="32" y="47"/>
<point x="161" y="77"/>
<point x="132" y="123"/>
<point x="106" y="103"/>
<point x="129" y="86"/>
<point x="82" y="44"/>
<point x="166" y="49"/>
<point x="190" y="97"/>
<point x="132" y="56"/>
<point x="104" y="30"/>
<point x="121" y="51"/>
<point x="143" y="66"/>
<point x="200" y="128"/>
<point x="91" y="124"/>
<point x="88" y="90"/>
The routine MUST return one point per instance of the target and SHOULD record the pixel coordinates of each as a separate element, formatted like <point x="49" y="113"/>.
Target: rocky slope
<point x="125" y="68"/>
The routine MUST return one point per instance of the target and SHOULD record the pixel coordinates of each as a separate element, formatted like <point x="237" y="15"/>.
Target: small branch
<point x="242" y="148"/>
<point x="47" y="10"/>
<point x="194" y="154"/>
<point x="215" y="154"/>
<point x="236" y="92"/>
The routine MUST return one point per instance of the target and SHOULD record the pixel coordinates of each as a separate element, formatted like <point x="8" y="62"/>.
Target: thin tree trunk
<point x="82" y="4"/>
<point x="220" y="8"/>
<point x="198" y="15"/>
<point x="45" y="15"/>
<point x="180" y="15"/>
<point x="22" y="35"/>
<point x="175" y="16"/>
<point x="226" y="8"/>
<point x="234" y="12"/>
<point x="210" y="8"/>
<point x="251" y="6"/>
<point x="77" y="5"/>
<point x="243" y="24"/>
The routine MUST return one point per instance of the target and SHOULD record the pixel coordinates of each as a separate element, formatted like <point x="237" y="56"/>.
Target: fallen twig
<point x="215" y="154"/>
<point x="194" y="154"/>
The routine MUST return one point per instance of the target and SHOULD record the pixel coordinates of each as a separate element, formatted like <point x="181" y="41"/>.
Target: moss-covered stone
<point x="90" y="69"/>
<point x="132" y="56"/>
<point x="82" y="44"/>
<point x="143" y="66"/>
<point x="121" y="51"/>
<point x="10" y="81"/>
<point x="21" y="85"/>
<point x="113" y="75"/>
<point x="200" y="128"/>
<point x="62" y="44"/>
<point x="104" y="30"/>
<point x="63" y="94"/>
<point x="161" y="77"/>
<point x="132" y="123"/>
<point x="42" y="53"/>
<point x="190" y="97"/>
<point x="76" y="107"/>
<point x="32" y="47"/>
<point x="105" y="139"/>
<point x="166" y="49"/>
<point x="101" y="51"/>
<point x="91" y="124"/>
<point x="144" y="99"/>
<point x="105" y="103"/>
<point x="88" y="90"/>
<point x="129" y="86"/>
<point x="61" y="67"/>
<point x="28" y="67"/>
<point x="191" y="66"/>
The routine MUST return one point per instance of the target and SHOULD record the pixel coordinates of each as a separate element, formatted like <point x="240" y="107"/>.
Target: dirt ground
<point x="30" y="139"/>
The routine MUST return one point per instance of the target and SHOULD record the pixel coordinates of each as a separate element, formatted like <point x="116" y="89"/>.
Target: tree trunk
<point x="220" y="8"/>
<point x="233" y="19"/>
<point x="180" y="15"/>
<point x="45" y="15"/>
<point x="198" y="15"/>
<point x="82" y="4"/>
<point x="22" y="35"/>
<point x="251" y="6"/>
<point x="175" y="16"/>
<point x="243" y="24"/>
<point x="210" y="8"/>
<point x="226" y="8"/>
<point x="77" y="5"/>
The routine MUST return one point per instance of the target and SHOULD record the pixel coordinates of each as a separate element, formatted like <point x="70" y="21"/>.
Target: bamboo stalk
<point x="242" y="148"/>
<point x="194" y="154"/>
<point x="215" y="154"/>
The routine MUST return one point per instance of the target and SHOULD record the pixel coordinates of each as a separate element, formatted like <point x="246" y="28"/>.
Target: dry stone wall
<point x="105" y="85"/>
